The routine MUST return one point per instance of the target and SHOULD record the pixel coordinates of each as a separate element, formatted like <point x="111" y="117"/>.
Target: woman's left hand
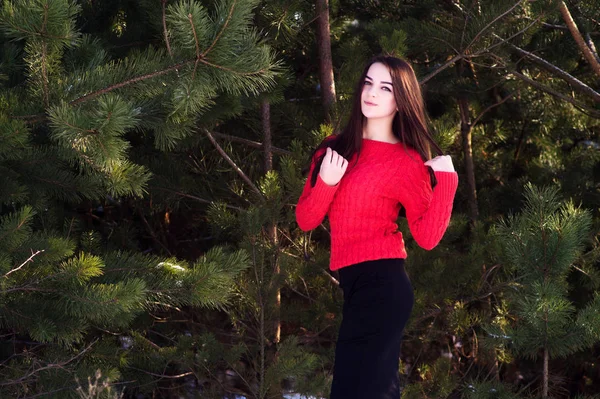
<point x="441" y="163"/>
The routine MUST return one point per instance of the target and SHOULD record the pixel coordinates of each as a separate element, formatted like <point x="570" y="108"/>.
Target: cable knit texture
<point x="363" y="207"/>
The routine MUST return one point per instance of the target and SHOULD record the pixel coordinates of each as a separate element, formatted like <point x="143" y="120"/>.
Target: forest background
<point x="150" y="161"/>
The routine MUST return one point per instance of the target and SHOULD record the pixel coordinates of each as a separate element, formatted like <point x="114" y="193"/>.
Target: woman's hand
<point x="333" y="167"/>
<point x="441" y="163"/>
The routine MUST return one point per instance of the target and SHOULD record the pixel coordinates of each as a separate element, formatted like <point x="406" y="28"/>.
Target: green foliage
<point x="437" y="381"/>
<point x="488" y="390"/>
<point x="540" y="245"/>
<point x="155" y="257"/>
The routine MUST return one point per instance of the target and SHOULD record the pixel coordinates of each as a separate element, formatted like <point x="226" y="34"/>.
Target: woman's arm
<point x="428" y="210"/>
<point x="315" y="201"/>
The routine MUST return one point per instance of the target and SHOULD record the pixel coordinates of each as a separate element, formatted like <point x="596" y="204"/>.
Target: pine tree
<point x="83" y="129"/>
<point x="540" y="246"/>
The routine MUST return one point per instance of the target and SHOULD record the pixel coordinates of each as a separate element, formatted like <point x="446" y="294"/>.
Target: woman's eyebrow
<point x="389" y="83"/>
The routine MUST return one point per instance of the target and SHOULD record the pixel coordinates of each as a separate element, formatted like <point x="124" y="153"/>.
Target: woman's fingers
<point x="333" y="167"/>
<point x="332" y="157"/>
<point x="328" y="155"/>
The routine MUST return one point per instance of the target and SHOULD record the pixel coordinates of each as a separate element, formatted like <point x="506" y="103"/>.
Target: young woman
<point x="361" y="178"/>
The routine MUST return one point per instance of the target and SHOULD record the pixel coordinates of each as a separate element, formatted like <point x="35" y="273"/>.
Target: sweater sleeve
<point x="428" y="210"/>
<point x="315" y="201"/>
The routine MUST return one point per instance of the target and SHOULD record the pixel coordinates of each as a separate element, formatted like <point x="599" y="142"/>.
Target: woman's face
<point x="377" y="98"/>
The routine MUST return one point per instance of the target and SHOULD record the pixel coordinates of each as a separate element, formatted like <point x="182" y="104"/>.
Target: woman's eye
<point x="367" y="82"/>
<point x="387" y="88"/>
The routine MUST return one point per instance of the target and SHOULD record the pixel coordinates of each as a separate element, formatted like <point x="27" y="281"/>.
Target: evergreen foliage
<point x="145" y="241"/>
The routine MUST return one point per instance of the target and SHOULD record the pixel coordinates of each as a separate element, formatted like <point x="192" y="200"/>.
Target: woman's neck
<point x="379" y="129"/>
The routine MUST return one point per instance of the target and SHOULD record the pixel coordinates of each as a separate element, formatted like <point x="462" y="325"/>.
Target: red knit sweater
<point x="363" y="207"/>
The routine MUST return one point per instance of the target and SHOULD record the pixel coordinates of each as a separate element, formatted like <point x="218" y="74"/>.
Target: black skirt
<point x="378" y="299"/>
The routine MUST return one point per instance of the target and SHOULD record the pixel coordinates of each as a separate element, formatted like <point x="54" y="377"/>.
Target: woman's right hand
<point x="333" y="167"/>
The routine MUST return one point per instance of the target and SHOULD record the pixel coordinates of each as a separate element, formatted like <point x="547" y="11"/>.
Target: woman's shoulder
<point x="407" y="156"/>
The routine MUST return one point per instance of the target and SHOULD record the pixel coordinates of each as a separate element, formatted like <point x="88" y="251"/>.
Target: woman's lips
<point x="371" y="104"/>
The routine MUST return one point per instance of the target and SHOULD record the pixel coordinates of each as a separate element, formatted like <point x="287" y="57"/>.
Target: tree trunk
<point x="546" y="374"/>
<point x="587" y="52"/>
<point x="325" y="63"/>
<point x="272" y="229"/>
<point x="466" y="130"/>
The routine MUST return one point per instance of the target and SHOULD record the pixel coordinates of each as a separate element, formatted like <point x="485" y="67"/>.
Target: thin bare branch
<point x="152" y="233"/>
<point x="493" y="22"/>
<point x="192" y="197"/>
<point x="232" y="163"/>
<point x="161" y="375"/>
<point x="165" y="32"/>
<point x="490" y="107"/>
<point x="502" y="41"/>
<point x="331" y="278"/>
<point x="250" y="143"/>
<point x="198" y="55"/>
<point x="48" y="366"/>
<point x="449" y="63"/>
<point x="30" y="259"/>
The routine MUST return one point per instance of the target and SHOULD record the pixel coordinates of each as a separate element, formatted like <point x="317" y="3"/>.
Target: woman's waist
<point x="362" y="227"/>
<point x="353" y="237"/>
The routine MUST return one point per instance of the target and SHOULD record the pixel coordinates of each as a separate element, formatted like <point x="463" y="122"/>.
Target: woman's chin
<point x="373" y="115"/>
<point x="368" y="113"/>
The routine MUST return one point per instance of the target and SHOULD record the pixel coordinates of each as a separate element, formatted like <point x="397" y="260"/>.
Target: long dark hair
<point x="410" y="124"/>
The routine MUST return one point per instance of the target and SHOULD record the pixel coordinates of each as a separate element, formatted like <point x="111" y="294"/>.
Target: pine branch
<point x="136" y="79"/>
<point x="44" y="57"/>
<point x="41" y="34"/>
<point x="198" y="56"/>
<point x="441" y="310"/>
<point x="592" y="112"/>
<point x="40" y="117"/>
<point x="575" y="83"/>
<point x="204" y="61"/>
<point x="464" y="55"/>
<point x="587" y="53"/>
<point x="502" y="41"/>
<point x="560" y="27"/>
<point x="220" y="32"/>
